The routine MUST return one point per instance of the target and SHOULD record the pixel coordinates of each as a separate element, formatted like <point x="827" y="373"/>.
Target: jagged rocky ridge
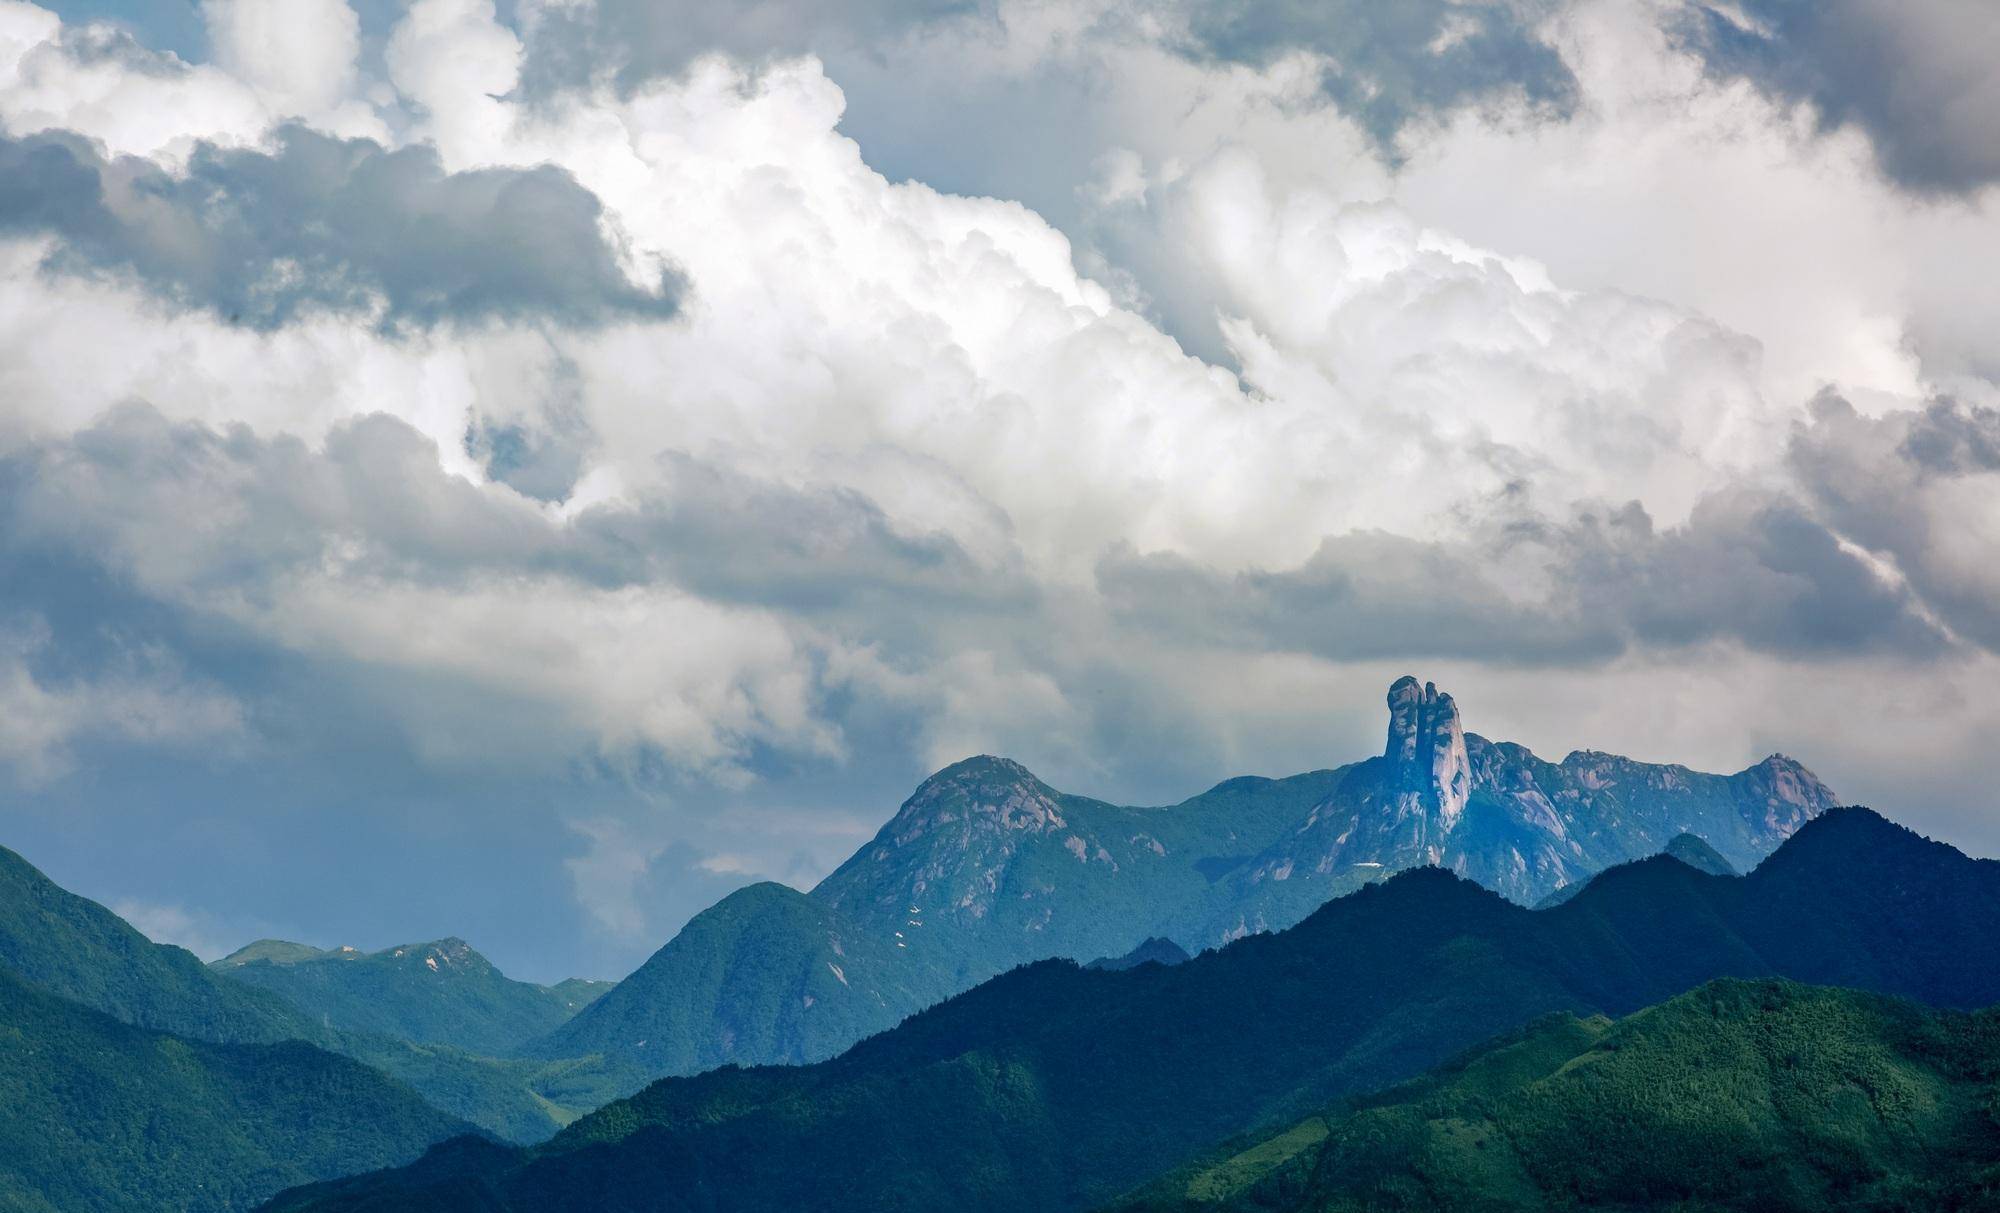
<point x="986" y="867"/>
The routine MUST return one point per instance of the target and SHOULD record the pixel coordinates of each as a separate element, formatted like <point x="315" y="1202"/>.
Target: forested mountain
<point x="1758" y="1096"/>
<point x="438" y="993"/>
<point x="98" y="1115"/>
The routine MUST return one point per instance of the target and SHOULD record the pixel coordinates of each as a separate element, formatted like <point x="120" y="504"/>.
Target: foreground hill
<point x="98" y="1115"/>
<point x="1055" y="1087"/>
<point x="1741" y="1095"/>
<point x="986" y="867"/>
<point x="76" y="949"/>
<point x="439" y="993"/>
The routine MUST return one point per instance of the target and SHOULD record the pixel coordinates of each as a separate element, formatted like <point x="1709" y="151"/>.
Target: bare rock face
<point x="1427" y="752"/>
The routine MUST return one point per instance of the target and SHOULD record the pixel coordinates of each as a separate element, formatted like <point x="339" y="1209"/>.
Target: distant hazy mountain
<point x="767" y="972"/>
<point x="1154" y="951"/>
<point x="986" y="867"/>
<point x="1757" y="1096"/>
<point x="442" y="993"/>
<point x="1054" y="1087"/>
<point x="1694" y="851"/>
<point x="98" y="1115"/>
<point x="1687" y="848"/>
<point x="1496" y="813"/>
<point x="74" y="948"/>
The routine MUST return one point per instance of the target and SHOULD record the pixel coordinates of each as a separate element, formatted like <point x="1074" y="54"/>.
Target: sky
<point x="522" y="470"/>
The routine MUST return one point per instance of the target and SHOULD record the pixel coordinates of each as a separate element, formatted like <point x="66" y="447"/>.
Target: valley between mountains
<point x="916" y="1031"/>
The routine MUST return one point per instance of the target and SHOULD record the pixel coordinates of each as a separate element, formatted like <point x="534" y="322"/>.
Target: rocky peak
<point x="983" y="791"/>
<point x="1426" y="749"/>
<point x="1790" y="794"/>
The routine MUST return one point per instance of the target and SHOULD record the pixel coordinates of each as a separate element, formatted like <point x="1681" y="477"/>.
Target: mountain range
<point x="986" y="867"/>
<point x="1058" y="1087"/>
<point x="982" y="870"/>
<point x="76" y="949"/>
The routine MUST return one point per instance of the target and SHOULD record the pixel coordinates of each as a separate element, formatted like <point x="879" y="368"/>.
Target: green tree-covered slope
<point x="98" y="1115"/>
<point x="1737" y="1096"/>
<point x="765" y="972"/>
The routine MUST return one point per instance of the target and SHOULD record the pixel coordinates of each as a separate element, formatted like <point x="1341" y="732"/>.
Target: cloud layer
<point x="326" y="224"/>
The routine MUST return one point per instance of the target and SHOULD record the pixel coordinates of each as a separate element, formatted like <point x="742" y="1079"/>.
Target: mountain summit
<point x="1427" y="758"/>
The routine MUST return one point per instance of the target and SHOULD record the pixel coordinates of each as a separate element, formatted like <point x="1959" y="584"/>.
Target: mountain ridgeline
<point x="985" y="867"/>
<point x="1057" y="1087"/>
<point x="440" y="993"/>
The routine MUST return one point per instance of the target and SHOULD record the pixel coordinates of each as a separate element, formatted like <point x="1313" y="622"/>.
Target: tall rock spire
<point x="1426" y="750"/>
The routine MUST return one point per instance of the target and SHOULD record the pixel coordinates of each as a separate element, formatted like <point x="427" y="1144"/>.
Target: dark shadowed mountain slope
<point x="985" y="867"/>
<point x="1055" y="1087"/>
<point x="1764" y="1096"/>
<point x="442" y="993"/>
<point x="98" y="1115"/>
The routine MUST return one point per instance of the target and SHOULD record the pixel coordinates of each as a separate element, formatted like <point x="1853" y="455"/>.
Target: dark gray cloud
<point x="1393" y="63"/>
<point x="638" y="40"/>
<point x="1361" y="596"/>
<point x="326" y="224"/>
<point x="1749" y="567"/>
<point x="814" y="550"/>
<point x="374" y="501"/>
<point x="1921" y="77"/>
<point x="1916" y="487"/>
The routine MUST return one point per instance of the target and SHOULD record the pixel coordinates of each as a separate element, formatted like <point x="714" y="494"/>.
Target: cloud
<point x="1753" y="569"/>
<point x="95" y="79"/>
<point x="1389" y="65"/>
<point x="635" y="41"/>
<point x="199" y="933"/>
<point x="368" y="557"/>
<point x="1919" y="488"/>
<point x="327" y="224"/>
<point x="138" y="697"/>
<point x="299" y="53"/>
<point x="1919" y="76"/>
